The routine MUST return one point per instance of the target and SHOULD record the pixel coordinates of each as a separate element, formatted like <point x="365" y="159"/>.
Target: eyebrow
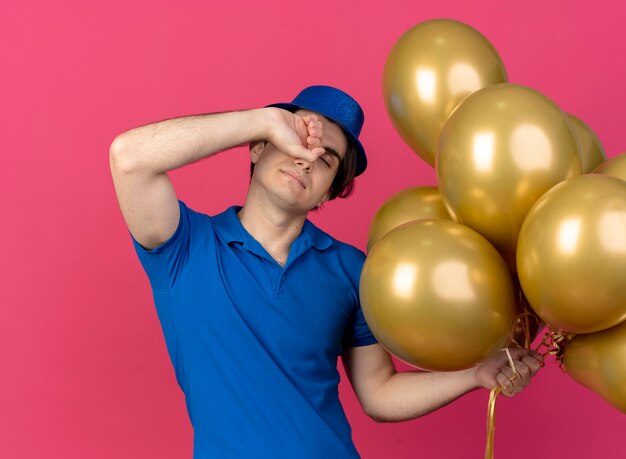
<point x="333" y="152"/>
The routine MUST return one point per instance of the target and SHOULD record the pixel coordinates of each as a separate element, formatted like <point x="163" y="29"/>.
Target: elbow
<point x="376" y="415"/>
<point x="378" y="419"/>
<point x="120" y="158"/>
<point x="382" y="418"/>
<point x="384" y="412"/>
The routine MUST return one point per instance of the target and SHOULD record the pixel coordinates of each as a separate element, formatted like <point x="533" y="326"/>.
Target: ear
<point x="256" y="150"/>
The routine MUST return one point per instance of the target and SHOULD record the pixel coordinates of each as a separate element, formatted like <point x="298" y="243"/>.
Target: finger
<point x="500" y="358"/>
<point x="313" y="142"/>
<point x="532" y="358"/>
<point x="312" y="122"/>
<point x="310" y="118"/>
<point x="315" y="130"/>
<point x="305" y="153"/>
<point x="506" y="385"/>
<point x="317" y="152"/>
<point x="518" y="352"/>
<point x="532" y="363"/>
<point x="524" y="373"/>
<point x="507" y="372"/>
<point x="515" y="378"/>
<point x="537" y="356"/>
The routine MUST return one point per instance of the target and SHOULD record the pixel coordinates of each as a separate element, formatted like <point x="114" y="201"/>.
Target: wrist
<point x="267" y="119"/>
<point x="472" y="378"/>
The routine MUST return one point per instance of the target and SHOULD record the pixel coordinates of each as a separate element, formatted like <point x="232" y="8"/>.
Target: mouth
<point x="294" y="176"/>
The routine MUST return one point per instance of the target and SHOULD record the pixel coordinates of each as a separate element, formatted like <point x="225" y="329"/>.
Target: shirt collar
<point x="229" y="227"/>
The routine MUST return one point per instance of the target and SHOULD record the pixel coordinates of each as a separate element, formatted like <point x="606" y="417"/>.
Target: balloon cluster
<point x="519" y="233"/>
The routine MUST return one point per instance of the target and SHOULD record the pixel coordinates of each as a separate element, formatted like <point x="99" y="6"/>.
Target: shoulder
<point x="196" y="226"/>
<point x="190" y="213"/>
<point x="348" y="251"/>
<point x="219" y="219"/>
<point x="323" y="241"/>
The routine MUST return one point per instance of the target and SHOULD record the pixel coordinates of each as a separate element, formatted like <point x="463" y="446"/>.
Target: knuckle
<point x="532" y="363"/>
<point x="523" y="369"/>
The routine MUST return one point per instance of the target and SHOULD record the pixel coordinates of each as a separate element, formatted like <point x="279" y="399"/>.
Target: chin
<point x="287" y="202"/>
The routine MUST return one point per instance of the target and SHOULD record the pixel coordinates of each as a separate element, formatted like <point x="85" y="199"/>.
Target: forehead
<point x="333" y="135"/>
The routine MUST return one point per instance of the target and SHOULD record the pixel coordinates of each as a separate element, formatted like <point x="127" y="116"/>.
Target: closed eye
<point x="331" y="157"/>
<point x="325" y="161"/>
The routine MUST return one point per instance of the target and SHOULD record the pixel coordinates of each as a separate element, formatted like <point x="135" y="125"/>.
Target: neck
<point x="274" y="229"/>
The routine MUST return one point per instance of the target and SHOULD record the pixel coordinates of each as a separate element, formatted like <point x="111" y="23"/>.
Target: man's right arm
<point x="141" y="158"/>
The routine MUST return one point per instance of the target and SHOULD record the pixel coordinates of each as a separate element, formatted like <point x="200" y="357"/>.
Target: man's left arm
<point x="387" y="395"/>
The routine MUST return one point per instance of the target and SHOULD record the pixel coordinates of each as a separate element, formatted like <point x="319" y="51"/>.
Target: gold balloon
<point x="571" y="257"/>
<point x="591" y="151"/>
<point x="405" y="206"/>
<point x="500" y="150"/>
<point x="437" y="295"/>
<point x="598" y="362"/>
<point x="615" y="166"/>
<point x="429" y="71"/>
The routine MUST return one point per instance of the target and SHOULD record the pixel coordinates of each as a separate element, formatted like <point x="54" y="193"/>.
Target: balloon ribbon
<point x="491" y="411"/>
<point x="524" y="320"/>
<point x="491" y="421"/>
<point x="554" y="342"/>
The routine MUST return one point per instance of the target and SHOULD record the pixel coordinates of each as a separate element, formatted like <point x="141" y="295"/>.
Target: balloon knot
<point x="553" y="343"/>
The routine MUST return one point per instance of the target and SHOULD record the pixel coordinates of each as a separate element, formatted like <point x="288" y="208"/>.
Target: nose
<point x="303" y="164"/>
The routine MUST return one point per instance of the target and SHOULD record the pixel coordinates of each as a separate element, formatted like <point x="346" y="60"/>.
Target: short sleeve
<point x="165" y="263"/>
<point x="357" y="332"/>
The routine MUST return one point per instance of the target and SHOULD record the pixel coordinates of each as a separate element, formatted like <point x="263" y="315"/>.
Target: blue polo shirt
<point x="254" y="345"/>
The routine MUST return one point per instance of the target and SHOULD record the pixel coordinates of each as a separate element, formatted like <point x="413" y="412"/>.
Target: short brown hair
<point x="343" y="184"/>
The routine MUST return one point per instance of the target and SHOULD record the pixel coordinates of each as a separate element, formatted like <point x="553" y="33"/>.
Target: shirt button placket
<point x="280" y="286"/>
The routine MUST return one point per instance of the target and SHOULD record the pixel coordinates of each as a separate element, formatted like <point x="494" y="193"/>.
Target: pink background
<point x="85" y="373"/>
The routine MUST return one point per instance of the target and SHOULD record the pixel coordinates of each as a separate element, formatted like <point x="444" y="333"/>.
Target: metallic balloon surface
<point x="615" y="166"/>
<point x="598" y="362"/>
<point x="437" y="295"/>
<point x="502" y="148"/>
<point x="405" y="206"/>
<point x="432" y="68"/>
<point x="591" y="150"/>
<point x="571" y="257"/>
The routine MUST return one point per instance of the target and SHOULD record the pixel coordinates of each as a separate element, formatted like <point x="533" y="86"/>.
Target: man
<point x="256" y="303"/>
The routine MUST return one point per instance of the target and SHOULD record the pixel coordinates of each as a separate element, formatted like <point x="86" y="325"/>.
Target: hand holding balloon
<point x="497" y="370"/>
